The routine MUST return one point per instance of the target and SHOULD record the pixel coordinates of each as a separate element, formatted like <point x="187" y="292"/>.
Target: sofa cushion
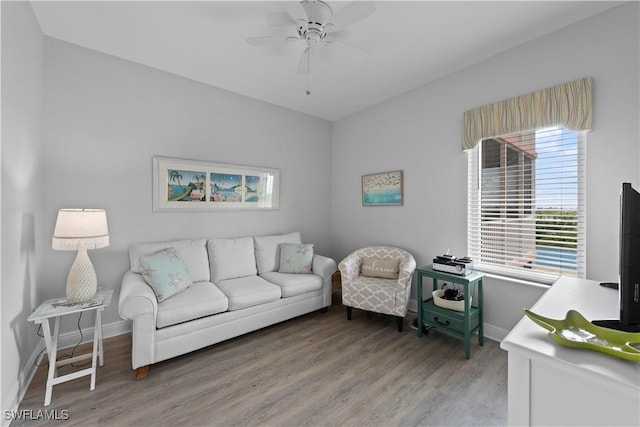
<point x="193" y="253"/>
<point x="295" y="258"/>
<point x="294" y="284"/>
<point x="385" y="268"/>
<point x="165" y="272"/>
<point x="231" y="258"/>
<point x="200" y="300"/>
<point x="248" y="291"/>
<point x="268" y="250"/>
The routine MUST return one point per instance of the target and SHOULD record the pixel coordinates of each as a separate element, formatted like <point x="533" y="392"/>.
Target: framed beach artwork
<point x="194" y="185"/>
<point x="382" y="189"/>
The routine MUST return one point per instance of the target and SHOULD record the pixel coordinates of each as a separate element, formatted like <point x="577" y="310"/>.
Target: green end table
<point x="459" y="323"/>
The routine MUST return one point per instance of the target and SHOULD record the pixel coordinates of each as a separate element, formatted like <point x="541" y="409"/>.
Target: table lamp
<point x="81" y="229"/>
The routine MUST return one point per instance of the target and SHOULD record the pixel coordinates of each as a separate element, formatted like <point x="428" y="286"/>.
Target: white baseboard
<point x="70" y="339"/>
<point x="65" y="340"/>
<point x="494" y="333"/>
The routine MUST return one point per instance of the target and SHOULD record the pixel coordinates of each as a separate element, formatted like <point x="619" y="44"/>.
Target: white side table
<point x="56" y="308"/>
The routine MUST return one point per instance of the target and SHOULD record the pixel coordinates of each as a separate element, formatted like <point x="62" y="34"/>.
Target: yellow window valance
<point x="569" y="105"/>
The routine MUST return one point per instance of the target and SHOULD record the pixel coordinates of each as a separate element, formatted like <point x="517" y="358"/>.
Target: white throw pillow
<point x="231" y="258"/>
<point x="268" y="250"/>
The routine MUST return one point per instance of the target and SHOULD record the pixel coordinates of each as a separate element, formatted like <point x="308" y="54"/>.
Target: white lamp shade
<point x="80" y="228"/>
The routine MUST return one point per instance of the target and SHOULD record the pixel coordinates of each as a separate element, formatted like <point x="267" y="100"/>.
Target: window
<point x="526" y="195"/>
<point x="527" y="204"/>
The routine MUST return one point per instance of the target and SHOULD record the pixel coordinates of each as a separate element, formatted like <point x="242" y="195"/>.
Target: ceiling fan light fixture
<point x="314" y="36"/>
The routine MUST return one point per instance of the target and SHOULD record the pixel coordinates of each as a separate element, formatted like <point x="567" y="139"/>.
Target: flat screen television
<point x="629" y="276"/>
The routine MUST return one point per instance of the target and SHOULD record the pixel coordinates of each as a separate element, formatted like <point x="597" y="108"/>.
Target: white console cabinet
<point x="550" y="384"/>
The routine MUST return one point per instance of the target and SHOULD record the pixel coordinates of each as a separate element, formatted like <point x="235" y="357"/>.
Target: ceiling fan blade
<point x="295" y="10"/>
<point x="269" y="40"/>
<point x="352" y="13"/>
<point x="343" y="51"/>
<point x="280" y="19"/>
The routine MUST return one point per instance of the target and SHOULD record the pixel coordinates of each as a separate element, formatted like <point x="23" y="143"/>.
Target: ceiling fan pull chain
<point x="308" y="69"/>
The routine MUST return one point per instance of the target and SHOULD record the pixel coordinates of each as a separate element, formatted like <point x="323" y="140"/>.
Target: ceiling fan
<point x="319" y="28"/>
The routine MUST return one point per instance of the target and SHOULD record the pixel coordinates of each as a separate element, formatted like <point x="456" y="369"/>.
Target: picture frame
<point x="382" y="189"/>
<point x="195" y="185"/>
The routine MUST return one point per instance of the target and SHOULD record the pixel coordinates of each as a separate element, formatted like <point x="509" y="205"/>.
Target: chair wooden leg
<point x="349" y="311"/>
<point x="400" y="321"/>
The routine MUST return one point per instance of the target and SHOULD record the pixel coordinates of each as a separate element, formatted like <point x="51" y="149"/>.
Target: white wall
<point x="420" y="133"/>
<point x="22" y="194"/>
<point x="106" y="117"/>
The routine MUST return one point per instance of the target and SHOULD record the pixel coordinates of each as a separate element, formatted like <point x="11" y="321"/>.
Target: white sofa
<point x="236" y="289"/>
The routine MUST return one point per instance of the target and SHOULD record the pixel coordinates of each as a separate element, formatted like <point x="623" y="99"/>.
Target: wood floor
<point x="315" y="370"/>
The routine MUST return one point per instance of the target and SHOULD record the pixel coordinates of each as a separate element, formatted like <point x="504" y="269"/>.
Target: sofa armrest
<point x="323" y="266"/>
<point x="138" y="303"/>
<point x="136" y="298"/>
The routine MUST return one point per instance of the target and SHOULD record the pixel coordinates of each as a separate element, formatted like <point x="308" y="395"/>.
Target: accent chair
<point x="378" y="279"/>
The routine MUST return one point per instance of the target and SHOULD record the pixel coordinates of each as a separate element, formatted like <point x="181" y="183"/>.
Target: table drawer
<point x="439" y="319"/>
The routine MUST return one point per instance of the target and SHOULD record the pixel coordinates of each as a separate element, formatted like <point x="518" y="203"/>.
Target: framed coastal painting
<point x="194" y="185"/>
<point x="382" y="189"/>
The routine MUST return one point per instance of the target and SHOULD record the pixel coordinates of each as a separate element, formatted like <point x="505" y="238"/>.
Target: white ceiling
<point x="410" y="43"/>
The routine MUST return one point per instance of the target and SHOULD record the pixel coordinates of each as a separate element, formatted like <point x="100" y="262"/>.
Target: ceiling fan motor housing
<point x="318" y="14"/>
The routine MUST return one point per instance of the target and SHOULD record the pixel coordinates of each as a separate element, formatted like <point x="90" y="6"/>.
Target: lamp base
<point x="81" y="282"/>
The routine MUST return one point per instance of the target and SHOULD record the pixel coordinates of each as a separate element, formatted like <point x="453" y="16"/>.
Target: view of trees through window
<point x="530" y="201"/>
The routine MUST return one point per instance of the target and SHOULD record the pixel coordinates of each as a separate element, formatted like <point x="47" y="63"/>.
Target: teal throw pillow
<point x="165" y="272"/>
<point x="295" y="258"/>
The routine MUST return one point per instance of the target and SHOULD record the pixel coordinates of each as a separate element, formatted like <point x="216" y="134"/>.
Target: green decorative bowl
<point x="576" y="331"/>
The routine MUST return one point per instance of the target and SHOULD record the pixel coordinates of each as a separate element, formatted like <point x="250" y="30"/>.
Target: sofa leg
<point x="349" y="310"/>
<point x="141" y="372"/>
<point x="400" y="321"/>
<point x="324" y="309"/>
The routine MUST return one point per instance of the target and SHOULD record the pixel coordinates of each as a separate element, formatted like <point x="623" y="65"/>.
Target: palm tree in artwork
<point x="174" y="175"/>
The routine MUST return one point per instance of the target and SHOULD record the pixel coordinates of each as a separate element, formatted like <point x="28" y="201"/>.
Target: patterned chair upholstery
<point x="385" y="296"/>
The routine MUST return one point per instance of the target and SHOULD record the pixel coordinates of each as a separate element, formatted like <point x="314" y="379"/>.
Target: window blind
<point x="526" y="204"/>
